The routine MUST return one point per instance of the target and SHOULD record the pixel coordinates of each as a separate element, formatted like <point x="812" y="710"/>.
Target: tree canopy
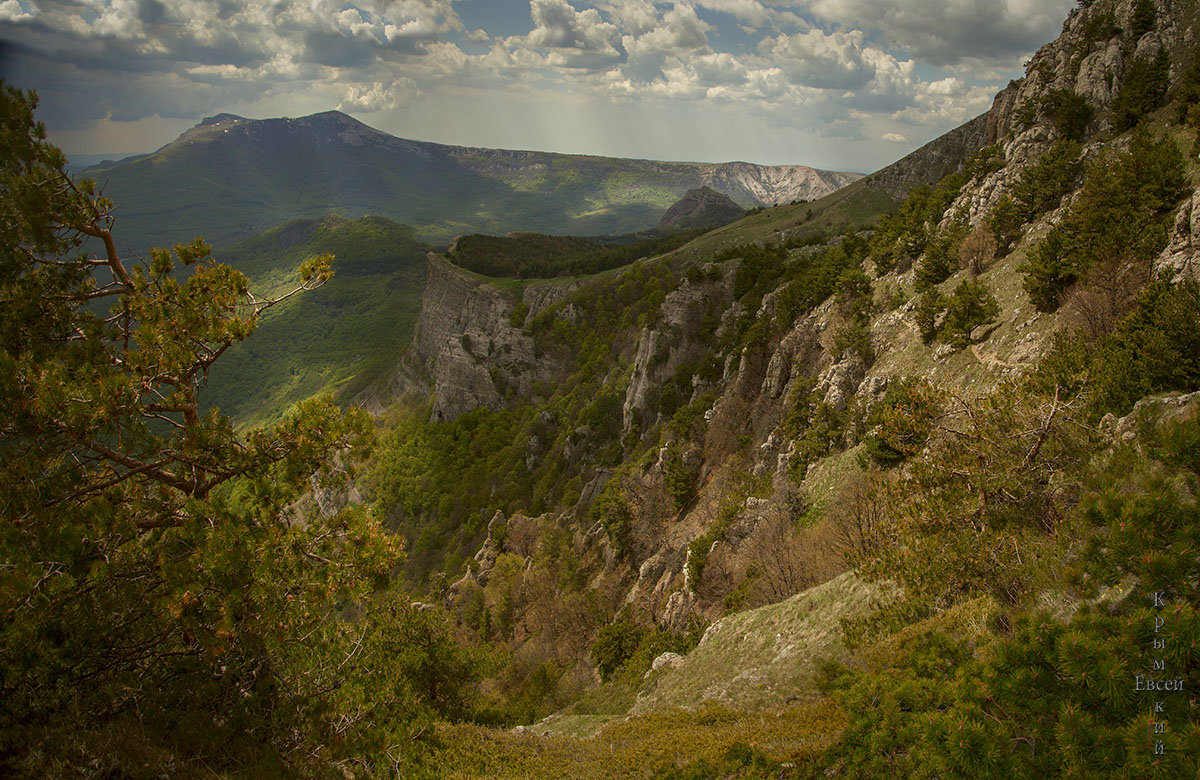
<point x="162" y="575"/>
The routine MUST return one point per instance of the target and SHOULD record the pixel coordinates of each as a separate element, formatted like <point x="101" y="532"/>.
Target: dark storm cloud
<point x="151" y="11"/>
<point x="336" y="50"/>
<point x="952" y="32"/>
<point x="72" y="97"/>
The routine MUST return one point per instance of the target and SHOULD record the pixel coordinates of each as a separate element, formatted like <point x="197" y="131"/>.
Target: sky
<point x="838" y="84"/>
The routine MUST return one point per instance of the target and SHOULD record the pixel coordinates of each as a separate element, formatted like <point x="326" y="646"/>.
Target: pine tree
<point x="1143" y="19"/>
<point x="969" y="306"/>
<point x="158" y="576"/>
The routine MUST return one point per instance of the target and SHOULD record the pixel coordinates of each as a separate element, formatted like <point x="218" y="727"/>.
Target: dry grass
<point x="634" y="747"/>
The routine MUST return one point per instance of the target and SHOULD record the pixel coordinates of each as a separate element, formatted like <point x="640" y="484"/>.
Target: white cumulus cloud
<point x="754" y="13"/>
<point x="824" y="60"/>
<point x="13" y="11"/>
<point x="378" y="96"/>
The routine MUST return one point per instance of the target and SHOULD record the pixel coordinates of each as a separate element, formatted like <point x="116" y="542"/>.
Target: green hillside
<point x="338" y="338"/>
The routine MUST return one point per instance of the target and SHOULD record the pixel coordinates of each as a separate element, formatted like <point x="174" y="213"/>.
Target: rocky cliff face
<point x="745" y="436"/>
<point x="466" y="339"/>
<point x="672" y="341"/>
<point x="474" y="355"/>
<point x="1181" y="258"/>
<point x="770" y="185"/>
<point x="1090" y="58"/>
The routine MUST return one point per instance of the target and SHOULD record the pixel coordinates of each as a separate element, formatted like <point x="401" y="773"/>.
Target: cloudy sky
<point x="847" y="84"/>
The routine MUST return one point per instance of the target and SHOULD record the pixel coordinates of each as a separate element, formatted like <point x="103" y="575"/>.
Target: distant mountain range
<point x="229" y="178"/>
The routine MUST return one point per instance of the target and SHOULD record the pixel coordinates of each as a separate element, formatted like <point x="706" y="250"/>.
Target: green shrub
<point x="952" y="701"/>
<point x="679" y="477"/>
<point x="1099" y="27"/>
<point x="1143" y="19"/>
<point x="519" y="313"/>
<point x="1047" y="272"/>
<point x="740" y="761"/>
<point x="1154" y="349"/>
<point x="930" y="305"/>
<point x="1064" y="689"/>
<point x="1042" y="185"/>
<point x="984" y="162"/>
<point x="901" y="421"/>
<point x="800" y="404"/>
<point x="937" y="264"/>
<point x="1187" y="89"/>
<point x="823" y="434"/>
<point x="901" y="237"/>
<point x="612" y="511"/>
<point x="625" y="648"/>
<point x="616" y="644"/>
<point x="969" y="306"/>
<point x="1069" y="111"/>
<point x="815" y="426"/>
<point x="854" y="336"/>
<point x="810" y="279"/>
<point x="1006" y="221"/>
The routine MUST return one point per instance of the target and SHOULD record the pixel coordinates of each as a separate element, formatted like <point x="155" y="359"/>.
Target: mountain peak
<point x="220" y="118"/>
<point x="701" y="207"/>
<point x="333" y="116"/>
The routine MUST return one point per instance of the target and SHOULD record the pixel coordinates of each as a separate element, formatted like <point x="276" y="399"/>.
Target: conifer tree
<point x="157" y="578"/>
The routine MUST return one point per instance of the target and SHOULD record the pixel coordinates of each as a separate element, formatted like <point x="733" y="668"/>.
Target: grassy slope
<point x="635" y="747"/>
<point x="856" y="206"/>
<point x="340" y="337"/>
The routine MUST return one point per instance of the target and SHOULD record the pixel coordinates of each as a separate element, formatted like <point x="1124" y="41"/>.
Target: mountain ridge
<point x="230" y="177"/>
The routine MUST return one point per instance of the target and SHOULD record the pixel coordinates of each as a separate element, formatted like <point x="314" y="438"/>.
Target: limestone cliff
<point x="466" y="339"/>
<point x="1092" y="58"/>
<point x="769" y="185"/>
<point x="674" y="340"/>
<point x="756" y="524"/>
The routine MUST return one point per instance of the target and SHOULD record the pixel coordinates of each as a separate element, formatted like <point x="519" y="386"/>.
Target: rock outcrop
<point x="1090" y="58"/>
<point x="673" y="341"/>
<point x="700" y="208"/>
<point x="1181" y="258"/>
<point x="770" y="185"/>
<point x="468" y="343"/>
<point x="465" y="337"/>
